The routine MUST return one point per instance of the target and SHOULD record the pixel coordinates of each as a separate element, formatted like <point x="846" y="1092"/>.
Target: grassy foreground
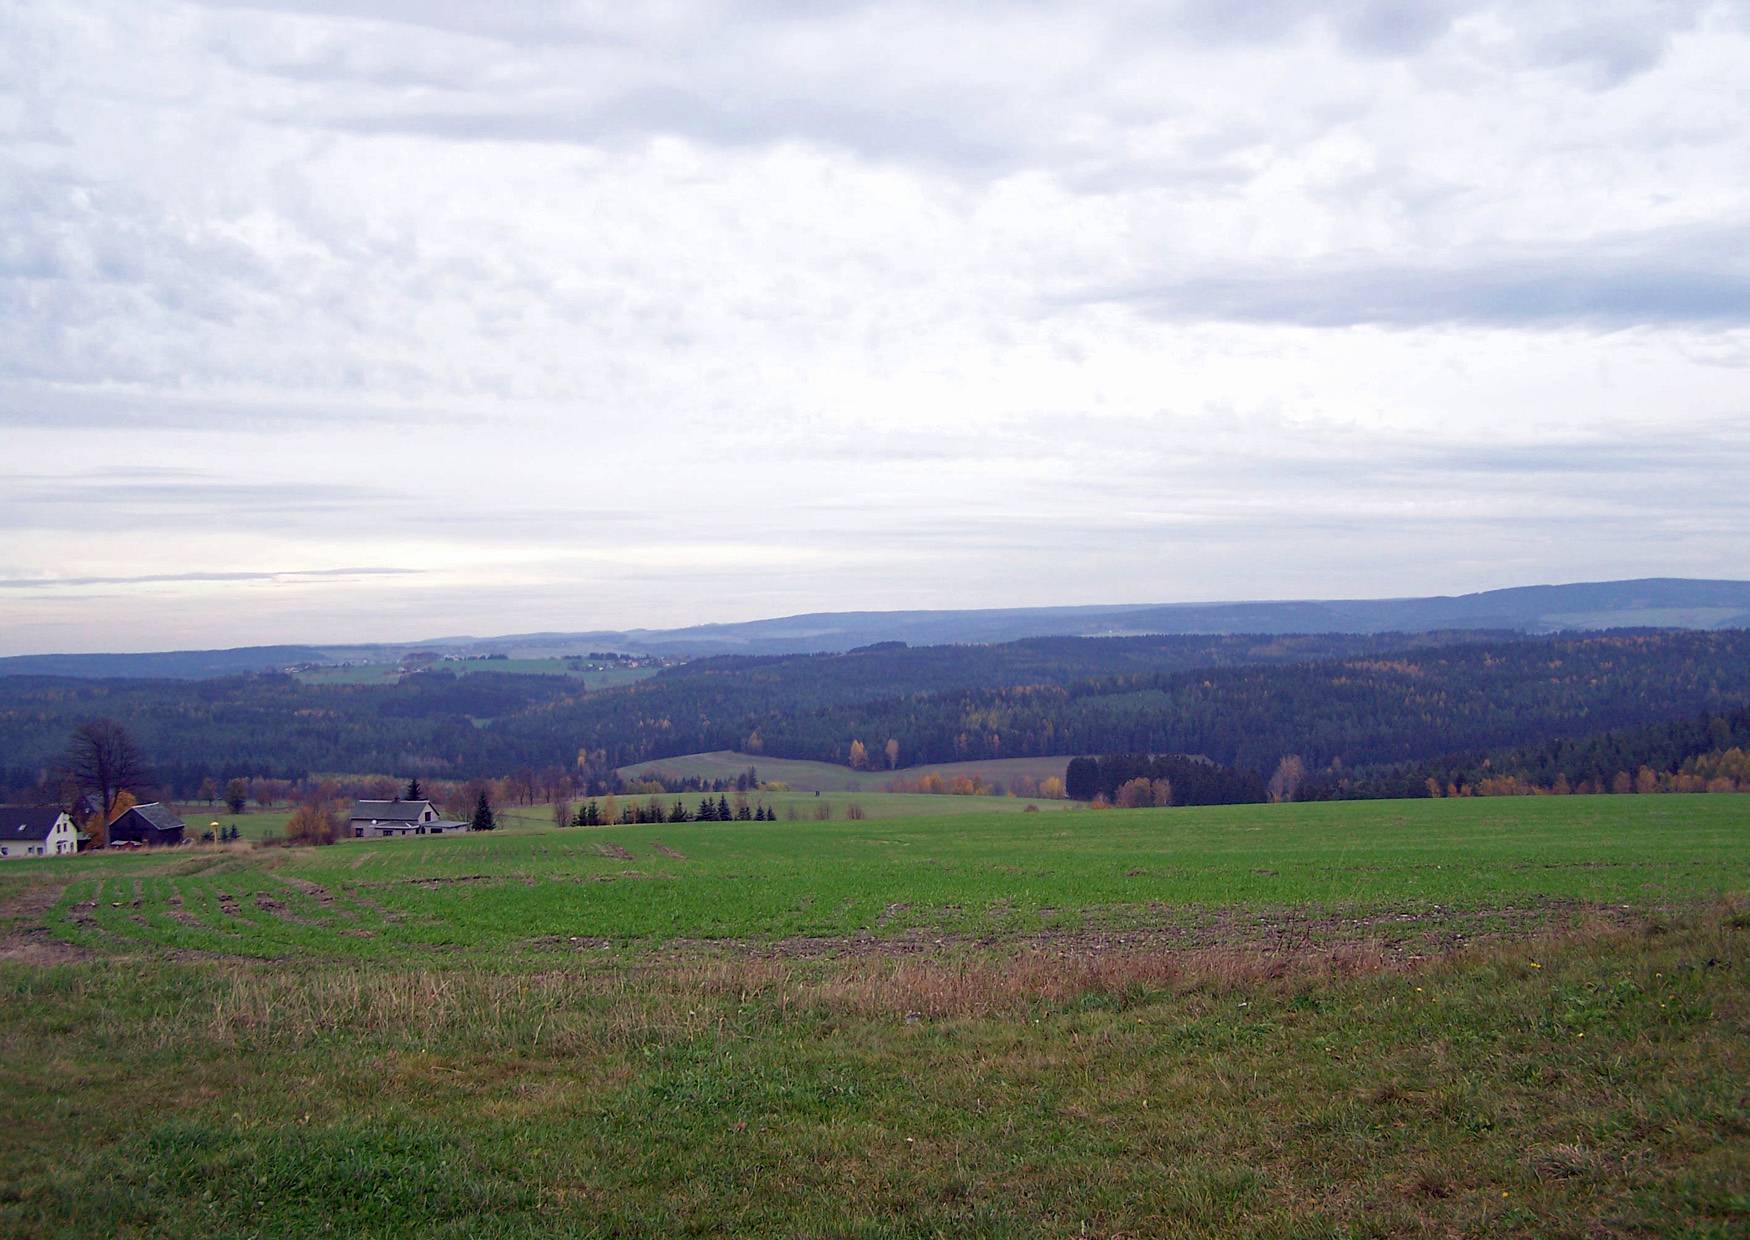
<point x="1514" y="1017"/>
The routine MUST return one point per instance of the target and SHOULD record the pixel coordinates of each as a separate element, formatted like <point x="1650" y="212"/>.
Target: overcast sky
<point x="388" y="319"/>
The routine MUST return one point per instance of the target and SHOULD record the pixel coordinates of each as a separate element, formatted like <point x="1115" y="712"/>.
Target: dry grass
<point x="990" y="984"/>
<point x="248" y="1001"/>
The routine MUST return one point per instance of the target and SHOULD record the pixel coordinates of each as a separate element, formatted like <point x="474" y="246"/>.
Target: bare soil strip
<point x="316" y="891"/>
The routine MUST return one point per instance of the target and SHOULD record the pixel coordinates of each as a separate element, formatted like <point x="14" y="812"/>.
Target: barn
<point x="151" y="824"/>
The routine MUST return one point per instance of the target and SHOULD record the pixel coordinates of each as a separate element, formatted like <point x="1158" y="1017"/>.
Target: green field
<point x="1516" y="1016"/>
<point x="807" y="776"/>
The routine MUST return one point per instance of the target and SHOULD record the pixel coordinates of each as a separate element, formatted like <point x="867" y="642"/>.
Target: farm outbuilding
<point x="151" y="824"/>
<point x="373" y="819"/>
<point x="35" y="831"/>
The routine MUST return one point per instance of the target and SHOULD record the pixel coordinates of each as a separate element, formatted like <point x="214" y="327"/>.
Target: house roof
<point x="28" y="822"/>
<point x="391" y="811"/>
<point x="159" y="817"/>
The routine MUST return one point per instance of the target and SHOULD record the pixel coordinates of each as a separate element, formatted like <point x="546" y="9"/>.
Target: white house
<point x="27" y="831"/>
<point x="371" y="819"/>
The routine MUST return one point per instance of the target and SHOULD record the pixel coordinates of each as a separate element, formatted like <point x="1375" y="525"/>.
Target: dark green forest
<point x="1339" y="702"/>
<point x="1592" y="763"/>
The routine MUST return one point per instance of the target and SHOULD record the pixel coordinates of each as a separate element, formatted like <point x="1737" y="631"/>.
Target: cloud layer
<point x="596" y="315"/>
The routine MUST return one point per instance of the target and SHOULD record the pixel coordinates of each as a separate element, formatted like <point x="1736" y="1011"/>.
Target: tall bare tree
<point x="104" y="761"/>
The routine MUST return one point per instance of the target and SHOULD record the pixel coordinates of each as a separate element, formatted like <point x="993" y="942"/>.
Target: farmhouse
<point x="371" y="819"/>
<point x="27" y="831"/>
<point x="151" y="824"/>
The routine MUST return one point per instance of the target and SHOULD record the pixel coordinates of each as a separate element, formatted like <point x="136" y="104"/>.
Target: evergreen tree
<point x="723" y="814"/>
<point x="679" y="813"/>
<point x="707" y="811"/>
<point x="414" y="791"/>
<point x="483" y="819"/>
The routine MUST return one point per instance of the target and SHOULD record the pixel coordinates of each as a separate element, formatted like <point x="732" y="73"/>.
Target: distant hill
<point x="164" y="665"/>
<point x="1666" y="602"/>
<point x="1659" y="602"/>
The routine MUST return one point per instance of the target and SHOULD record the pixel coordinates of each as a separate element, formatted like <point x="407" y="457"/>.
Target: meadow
<point x="806" y="776"/>
<point x="1514" y="1016"/>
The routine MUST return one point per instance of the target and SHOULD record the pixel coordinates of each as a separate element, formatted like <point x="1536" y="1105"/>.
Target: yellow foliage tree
<point x="859" y="756"/>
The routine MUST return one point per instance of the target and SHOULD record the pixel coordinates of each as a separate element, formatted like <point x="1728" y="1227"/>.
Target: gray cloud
<point x="1683" y="275"/>
<point x="287" y="576"/>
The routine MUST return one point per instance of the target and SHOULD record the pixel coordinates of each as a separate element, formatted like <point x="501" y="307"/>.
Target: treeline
<point x="486" y="724"/>
<point x="1707" y="753"/>
<point x="1133" y="781"/>
<point x="1341" y="703"/>
<point x="609" y="811"/>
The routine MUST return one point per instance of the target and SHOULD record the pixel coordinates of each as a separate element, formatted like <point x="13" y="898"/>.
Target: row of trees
<point x="610" y="812"/>
<point x="1135" y="780"/>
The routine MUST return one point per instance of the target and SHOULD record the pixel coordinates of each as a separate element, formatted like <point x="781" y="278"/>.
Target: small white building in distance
<point x="371" y="819"/>
<point x="27" y="831"/>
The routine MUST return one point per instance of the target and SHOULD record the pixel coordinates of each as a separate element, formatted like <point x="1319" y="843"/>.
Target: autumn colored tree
<point x="237" y="795"/>
<point x="891" y="749"/>
<point x="859" y="756"/>
<point x="1135" y="794"/>
<point x="315" y="822"/>
<point x="1286" y="782"/>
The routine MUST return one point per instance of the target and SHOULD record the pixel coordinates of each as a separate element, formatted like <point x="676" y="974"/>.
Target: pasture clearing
<point x="805" y="776"/>
<point x="1521" y="1017"/>
<point x="392" y="673"/>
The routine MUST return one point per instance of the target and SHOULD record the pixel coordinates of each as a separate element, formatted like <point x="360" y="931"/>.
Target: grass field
<point x="1516" y="1016"/>
<point x="826" y="777"/>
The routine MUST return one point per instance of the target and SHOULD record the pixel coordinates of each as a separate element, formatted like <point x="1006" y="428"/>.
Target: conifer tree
<point x="414" y="791"/>
<point x="723" y="814"/>
<point x="483" y="819"/>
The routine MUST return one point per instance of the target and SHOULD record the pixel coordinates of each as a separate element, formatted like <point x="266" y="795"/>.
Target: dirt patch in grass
<point x="673" y="854"/>
<point x="228" y="904"/>
<point x="316" y="891"/>
<point x="275" y="908"/>
<point x="39" y="947"/>
<point x="616" y="851"/>
<point x="28" y="902"/>
<point x="173" y="909"/>
<point x="450" y="881"/>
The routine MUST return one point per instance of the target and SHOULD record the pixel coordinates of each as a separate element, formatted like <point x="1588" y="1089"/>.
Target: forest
<point x="1341" y="704"/>
<point x="1707" y="753"/>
